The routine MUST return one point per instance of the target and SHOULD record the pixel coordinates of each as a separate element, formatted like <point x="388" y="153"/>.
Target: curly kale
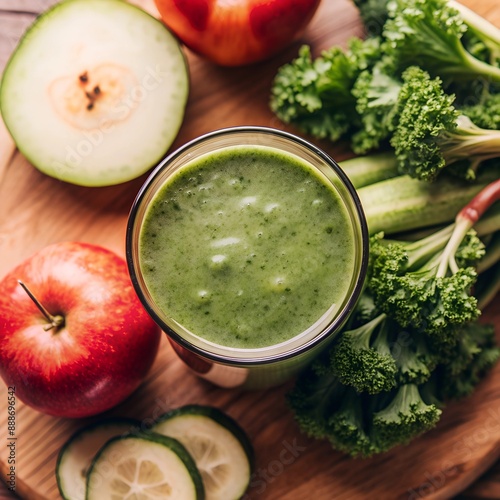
<point x="432" y="134"/>
<point x="315" y="95"/>
<point x="314" y="398"/>
<point x="421" y="285"/>
<point x="362" y="357"/>
<point x="486" y="113"/>
<point x="468" y="361"/>
<point x="376" y="96"/>
<point x="404" y="418"/>
<point x="428" y="33"/>
<point x="414" y="360"/>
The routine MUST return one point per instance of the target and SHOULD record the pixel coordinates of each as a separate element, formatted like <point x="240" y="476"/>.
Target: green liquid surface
<point x="247" y="247"/>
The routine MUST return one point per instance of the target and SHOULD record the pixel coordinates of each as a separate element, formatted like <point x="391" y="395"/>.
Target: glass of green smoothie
<point x="249" y="247"/>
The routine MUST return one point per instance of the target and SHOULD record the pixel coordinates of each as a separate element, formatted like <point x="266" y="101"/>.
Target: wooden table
<point x="36" y="210"/>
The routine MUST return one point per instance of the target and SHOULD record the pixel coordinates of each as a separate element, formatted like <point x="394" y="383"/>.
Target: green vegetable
<point x="403" y="203"/>
<point x="76" y="455"/>
<point x="412" y="342"/>
<point x="379" y="88"/>
<point x="359" y="424"/>
<point x="480" y="36"/>
<point x="428" y="33"/>
<point x="468" y="361"/>
<point x="421" y="284"/>
<point x="219" y="446"/>
<point x="366" y="170"/>
<point x="315" y="95"/>
<point x="376" y="96"/>
<point x="485" y="114"/>
<point x="362" y="358"/>
<point x="432" y="134"/>
<point x="405" y="417"/>
<point x="144" y="465"/>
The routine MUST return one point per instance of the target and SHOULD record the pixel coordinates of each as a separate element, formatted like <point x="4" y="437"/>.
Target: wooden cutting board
<point x="36" y="210"/>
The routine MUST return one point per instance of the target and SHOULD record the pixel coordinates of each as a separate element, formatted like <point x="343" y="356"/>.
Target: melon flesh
<point x="95" y="92"/>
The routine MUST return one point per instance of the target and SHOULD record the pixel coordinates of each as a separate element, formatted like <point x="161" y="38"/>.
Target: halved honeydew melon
<point x="95" y="92"/>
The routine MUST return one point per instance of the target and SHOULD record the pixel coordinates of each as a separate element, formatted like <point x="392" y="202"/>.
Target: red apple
<point x="98" y="344"/>
<point x="236" y="32"/>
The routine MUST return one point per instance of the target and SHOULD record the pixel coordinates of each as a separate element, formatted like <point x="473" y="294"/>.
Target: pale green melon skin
<point x="105" y="155"/>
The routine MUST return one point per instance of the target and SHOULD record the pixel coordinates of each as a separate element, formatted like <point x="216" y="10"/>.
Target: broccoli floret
<point x="468" y="361"/>
<point x="483" y="37"/>
<point x="363" y="425"/>
<point x="421" y="285"/>
<point x="485" y="114"/>
<point x="315" y="95"/>
<point x="376" y="354"/>
<point x="431" y="133"/>
<point x="357" y="424"/>
<point x="425" y="283"/>
<point x="314" y="398"/>
<point x="347" y="427"/>
<point x="376" y="96"/>
<point x="404" y="418"/>
<point x="364" y="312"/>
<point x="414" y="360"/>
<point x="362" y="357"/>
<point x="428" y="33"/>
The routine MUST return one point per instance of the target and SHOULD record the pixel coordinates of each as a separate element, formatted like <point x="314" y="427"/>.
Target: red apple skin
<point x="237" y="32"/>
<point x="106" y="346"/>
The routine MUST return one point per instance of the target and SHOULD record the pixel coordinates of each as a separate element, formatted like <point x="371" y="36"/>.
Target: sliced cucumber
<point x="220" y="448"/>
<point x="141" y="467"/>
<point x="95" y="92"/>
<point x="77" y="454"/>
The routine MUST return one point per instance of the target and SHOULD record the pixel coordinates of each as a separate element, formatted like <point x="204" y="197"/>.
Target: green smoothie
<point x="247" y="247"/>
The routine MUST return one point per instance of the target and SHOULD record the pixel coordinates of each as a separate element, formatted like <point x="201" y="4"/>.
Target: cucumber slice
<point x="219" y="446"/>
<point x="141" y="467"/>
<point x="95" y="92"/>
<point x="77" y="454"/>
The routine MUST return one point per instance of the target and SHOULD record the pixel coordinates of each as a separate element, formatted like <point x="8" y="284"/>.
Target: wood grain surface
<point x="36" y="210"/>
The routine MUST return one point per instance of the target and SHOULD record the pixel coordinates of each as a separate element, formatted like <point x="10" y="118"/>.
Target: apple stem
<point x="55" y="321"/>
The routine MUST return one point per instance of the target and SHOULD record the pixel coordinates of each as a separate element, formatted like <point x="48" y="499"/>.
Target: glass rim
<point x="229" y="359"/>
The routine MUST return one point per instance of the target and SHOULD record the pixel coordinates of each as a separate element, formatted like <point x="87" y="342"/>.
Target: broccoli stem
<point x="422" y="249"/>
<point x="470" y="142"/>
<point x="474" y="66"/>
<point x="366" y="170"/>
<point x="492" y="256"/>
<point x="364" y="333"/>
<point x="483" y="29"/>
<point x="406" y="416"/>
<point x="447" y="260"/>
<point x="464" y="221"/>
